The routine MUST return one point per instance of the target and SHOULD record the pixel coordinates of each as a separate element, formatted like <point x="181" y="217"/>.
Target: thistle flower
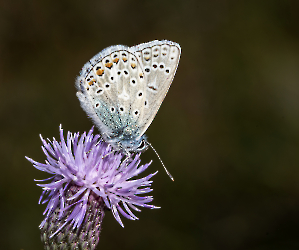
<point x="88" y="178"/>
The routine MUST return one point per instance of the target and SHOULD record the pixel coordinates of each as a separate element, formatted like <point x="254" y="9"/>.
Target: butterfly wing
<point x="159" y="61"/>
<point x="122" y="88"/>
<point x="111" y="89"/>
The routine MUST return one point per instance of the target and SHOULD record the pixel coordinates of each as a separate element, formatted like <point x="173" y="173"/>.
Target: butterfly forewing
<point x="159" y="60"/>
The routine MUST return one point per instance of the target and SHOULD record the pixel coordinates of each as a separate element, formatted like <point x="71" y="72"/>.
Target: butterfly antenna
<point x="167" y="172"/>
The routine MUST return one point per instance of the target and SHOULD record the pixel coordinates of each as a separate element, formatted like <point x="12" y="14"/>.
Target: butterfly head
<point x="128" y="144"/>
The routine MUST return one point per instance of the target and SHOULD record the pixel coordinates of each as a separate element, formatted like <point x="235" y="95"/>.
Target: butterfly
<point x="122" y="88"/>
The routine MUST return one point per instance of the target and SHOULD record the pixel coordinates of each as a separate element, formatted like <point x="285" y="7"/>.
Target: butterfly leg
<point x="113" y="151"/>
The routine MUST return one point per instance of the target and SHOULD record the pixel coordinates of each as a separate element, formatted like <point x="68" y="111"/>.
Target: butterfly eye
<point x="142" y="146"/>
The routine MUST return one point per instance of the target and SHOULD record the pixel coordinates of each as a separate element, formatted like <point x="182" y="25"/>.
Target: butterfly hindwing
<point x="113" y="91"/>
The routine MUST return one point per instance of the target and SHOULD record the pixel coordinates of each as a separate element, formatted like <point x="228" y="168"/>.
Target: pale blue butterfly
<point x="121" y="89"/>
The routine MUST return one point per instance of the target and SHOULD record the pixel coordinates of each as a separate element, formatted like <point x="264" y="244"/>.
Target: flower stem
<point x="86" y="237"/>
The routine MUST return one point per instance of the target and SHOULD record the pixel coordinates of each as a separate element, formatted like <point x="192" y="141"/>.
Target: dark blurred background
<point x="228" y="130"/>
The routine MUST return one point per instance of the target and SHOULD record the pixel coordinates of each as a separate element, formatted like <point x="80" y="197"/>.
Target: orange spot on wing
<point x="91" y="82"/>
<point x="125" y="59"/>
<point x="109" y="65"/>
<point x="133" y="65"/>
<point x="100" y="72"/>
<point x="116" y="60"/>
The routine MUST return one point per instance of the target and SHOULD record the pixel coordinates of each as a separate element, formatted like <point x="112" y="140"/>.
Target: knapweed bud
<point x="88" y="178"/>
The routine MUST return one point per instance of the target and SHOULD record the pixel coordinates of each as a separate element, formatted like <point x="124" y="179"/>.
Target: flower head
<point x="91" y="166"/>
